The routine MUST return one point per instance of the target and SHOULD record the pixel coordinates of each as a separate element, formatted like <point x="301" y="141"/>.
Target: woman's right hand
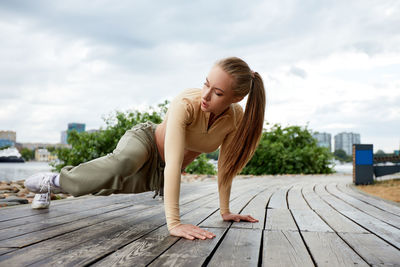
<point x="191" y="232"/>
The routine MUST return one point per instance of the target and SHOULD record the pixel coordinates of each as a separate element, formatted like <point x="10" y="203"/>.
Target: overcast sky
<point x="331" y="65"/>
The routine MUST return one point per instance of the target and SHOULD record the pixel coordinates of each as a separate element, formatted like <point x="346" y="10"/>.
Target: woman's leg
<point x="107" y="172"/>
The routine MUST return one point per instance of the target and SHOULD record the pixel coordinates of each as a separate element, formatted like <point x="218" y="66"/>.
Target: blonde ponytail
<point x="250" y="128"/>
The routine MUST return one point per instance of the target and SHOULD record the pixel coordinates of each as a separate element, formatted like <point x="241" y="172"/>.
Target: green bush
<point x="86" y="146"/>
<point x="201" y="166"/>
<point x="289" y="150"/>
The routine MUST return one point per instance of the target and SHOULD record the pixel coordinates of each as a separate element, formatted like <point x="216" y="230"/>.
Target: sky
<point x="331" y="66"/>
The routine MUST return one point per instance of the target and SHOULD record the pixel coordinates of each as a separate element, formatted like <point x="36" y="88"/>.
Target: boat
<point x="10" y="154"/>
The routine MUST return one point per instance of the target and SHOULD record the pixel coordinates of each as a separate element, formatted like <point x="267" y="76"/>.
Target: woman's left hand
<point x="238" y="217"/>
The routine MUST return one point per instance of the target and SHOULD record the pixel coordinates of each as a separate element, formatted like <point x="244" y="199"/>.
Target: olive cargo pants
<point x="134" y="166"/>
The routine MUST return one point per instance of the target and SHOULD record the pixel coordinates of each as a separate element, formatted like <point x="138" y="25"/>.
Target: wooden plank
<point x="371" y="210"/>
<point x="257" y="209"/>
<point x="240" y="247"/>
<point x="373" y="249"/>
<point x="97" y="240"/>
<point x="382" y="229"/>
<point x="284" y="248"/>
<point x="334" y="219"/>
<point x="280" y="219"/>
<point x="50" y="231"/>
<point x="6" y="250"/>
<point x="189" y="253"/>
<point x="99" y="246"/>
<point x="327" y="249"/>
<point x="295" y="198"/>
<point x="307" y="220"/>
<point x="143" y="250"/>
<point x="236" y="205"/>
<point x="278" y="199"/>
<point x="57" y="221"/>
<point x="370" y="199"/>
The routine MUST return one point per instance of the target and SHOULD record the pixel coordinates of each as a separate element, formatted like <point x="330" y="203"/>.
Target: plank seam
<point x="360" y="209"/>
<point x="333" y="228"/>
<point x="298" y="228"/>
<point x="369" y="231"/>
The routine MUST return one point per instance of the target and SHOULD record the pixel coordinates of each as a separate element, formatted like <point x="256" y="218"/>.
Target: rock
<point x="2" y="197"/>
<point x="6" y="187"/>
<point x="14" y="199"/>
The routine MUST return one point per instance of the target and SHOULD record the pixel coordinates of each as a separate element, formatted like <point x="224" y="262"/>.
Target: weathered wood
<point x="327" y="249"/>
<point x="240" y="247"/>
<point x="372" y="249"/>
<point x="128" y="226"/>
<point x="371" y="210"/>
<point x="6" y="250"/>
<point x="155" y="243"/>
<point x="307" y="220"/>
<point x="280" y="219"/>
<point x="382" y="229"/>
<point x="284" y="248"/>
<point x="257" y="209"/>
<point x="334" y="219"/>
<point x="236" y="205"/>
<point x="141" y="251"/>
<point x="278" y="199"/>
<point x="189" y="253"/>
<point x="295" y="198"/>
<point x="370" y="199"/>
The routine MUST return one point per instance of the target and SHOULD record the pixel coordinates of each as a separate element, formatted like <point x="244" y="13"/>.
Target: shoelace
<point x="45" y="182"/>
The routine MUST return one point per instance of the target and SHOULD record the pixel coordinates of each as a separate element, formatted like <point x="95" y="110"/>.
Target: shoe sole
<point x="40" y="206"/>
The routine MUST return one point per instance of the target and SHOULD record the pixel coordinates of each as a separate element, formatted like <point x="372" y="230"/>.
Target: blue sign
<point x="364" y="157"/>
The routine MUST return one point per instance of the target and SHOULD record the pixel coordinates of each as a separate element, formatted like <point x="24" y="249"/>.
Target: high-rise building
<point x="323" y="139"/>
<point x="79" y="127"/>
<point x="7" y="138"/>
<point x="345" y="141"/>
<point x="64" y="137"/>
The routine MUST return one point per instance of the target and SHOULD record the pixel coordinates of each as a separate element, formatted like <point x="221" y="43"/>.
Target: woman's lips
<point x="204" y="104"/>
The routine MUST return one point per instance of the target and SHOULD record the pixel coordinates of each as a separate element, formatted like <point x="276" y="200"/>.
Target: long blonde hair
<point x="247" y="136"/>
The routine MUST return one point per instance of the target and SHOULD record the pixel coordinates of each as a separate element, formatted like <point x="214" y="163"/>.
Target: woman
<point x="151" y="157"/>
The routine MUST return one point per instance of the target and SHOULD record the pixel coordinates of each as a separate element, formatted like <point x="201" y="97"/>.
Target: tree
<point x="342" y="156"/>
<point x="289" y="150"/>
<point x="201" y="166"/>
<point x="27" y="154"/>
<point x="86" y="146"/>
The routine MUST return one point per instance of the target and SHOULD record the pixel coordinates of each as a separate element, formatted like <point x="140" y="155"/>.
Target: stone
<point x="14" y="199"/>
<point x="6" y="187"/>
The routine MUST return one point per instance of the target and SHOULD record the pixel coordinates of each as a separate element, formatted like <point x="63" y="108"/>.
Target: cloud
<point x="76" y="61"/>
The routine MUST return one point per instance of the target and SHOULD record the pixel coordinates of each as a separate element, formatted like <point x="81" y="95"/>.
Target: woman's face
<point x="217" y="93"/>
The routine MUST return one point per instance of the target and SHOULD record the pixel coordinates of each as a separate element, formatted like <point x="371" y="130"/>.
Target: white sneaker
<point x="42" y="183"/>
<point x="41" y="201"/>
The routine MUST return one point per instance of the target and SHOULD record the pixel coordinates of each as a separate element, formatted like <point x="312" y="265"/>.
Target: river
<point x="20" y="171"/>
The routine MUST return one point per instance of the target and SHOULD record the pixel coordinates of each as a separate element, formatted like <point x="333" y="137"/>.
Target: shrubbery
<point x="289" y="150"/>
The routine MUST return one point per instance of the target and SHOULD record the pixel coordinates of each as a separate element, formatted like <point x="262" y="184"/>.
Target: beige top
<point x="183" y="135"/>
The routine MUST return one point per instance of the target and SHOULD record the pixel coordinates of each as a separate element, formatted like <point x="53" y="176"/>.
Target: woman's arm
<point x="174" y="154"/>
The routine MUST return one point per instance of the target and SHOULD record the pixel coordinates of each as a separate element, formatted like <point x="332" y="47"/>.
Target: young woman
<point x="151" y="157"/>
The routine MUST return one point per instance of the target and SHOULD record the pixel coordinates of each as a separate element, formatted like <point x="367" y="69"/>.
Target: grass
<point x="387" y="189"/>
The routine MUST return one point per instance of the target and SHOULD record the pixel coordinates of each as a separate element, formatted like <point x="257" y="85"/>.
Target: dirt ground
<point x="387" y="189"/>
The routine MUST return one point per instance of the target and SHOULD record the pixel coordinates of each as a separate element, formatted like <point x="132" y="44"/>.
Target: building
<point x="64" y="137"/>
<point x="79" y="127"/>
<point x="7" y="138"/>
<point x="42" y="154"/>
<point x="345" y="141"/>
<point x="323" y="139"/>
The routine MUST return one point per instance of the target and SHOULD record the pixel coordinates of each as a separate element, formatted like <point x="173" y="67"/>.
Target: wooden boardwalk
<point x="304" y="221"/>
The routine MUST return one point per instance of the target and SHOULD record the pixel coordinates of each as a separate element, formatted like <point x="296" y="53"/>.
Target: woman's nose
<point x="207" y="94"/>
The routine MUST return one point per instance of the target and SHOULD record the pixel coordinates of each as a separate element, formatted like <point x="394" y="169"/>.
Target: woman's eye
<point x="218" y="94"/>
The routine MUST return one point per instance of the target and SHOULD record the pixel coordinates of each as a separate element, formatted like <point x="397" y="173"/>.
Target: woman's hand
<point x="191" y="232"/>
<point x="238" y="217"/>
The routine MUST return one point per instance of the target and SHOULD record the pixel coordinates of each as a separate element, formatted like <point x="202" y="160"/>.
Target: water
<point x="20" y="171"/>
